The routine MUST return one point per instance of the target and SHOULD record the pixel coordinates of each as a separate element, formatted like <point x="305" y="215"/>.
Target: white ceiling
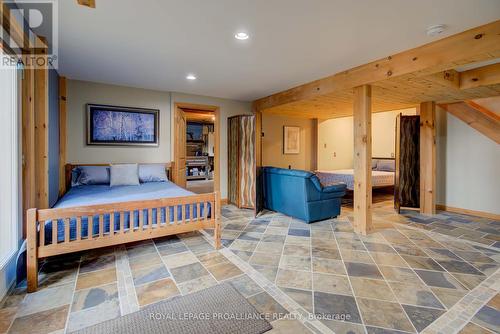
<point x="155" y="43"/>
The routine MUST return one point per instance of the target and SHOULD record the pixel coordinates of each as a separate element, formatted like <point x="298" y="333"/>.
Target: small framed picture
<point x="291" y="140"/>
<point x="113" y="125"/>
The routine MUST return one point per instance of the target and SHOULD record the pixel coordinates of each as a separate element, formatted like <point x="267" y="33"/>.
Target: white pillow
<point x="124" y="175"/>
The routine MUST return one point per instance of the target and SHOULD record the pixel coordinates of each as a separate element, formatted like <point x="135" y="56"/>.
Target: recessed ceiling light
<point x="191" y="77"/>
<point x="436" y="29"/>
<point x="241" y="36"/>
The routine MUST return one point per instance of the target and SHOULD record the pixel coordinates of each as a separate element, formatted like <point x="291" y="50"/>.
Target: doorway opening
<point x="196" y="147"/>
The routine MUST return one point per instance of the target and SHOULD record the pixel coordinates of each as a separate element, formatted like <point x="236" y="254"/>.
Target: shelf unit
<point x="200" y="162"/>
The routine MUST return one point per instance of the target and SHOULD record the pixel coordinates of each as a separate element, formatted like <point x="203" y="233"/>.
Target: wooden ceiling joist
<point x="87" y="3"/>
<point x="477" y="77"/>
<point x="449" y="78"/>
<point x="483" y="76"/>
<point x="405" y="79"/>
<point x="477" y="117"/>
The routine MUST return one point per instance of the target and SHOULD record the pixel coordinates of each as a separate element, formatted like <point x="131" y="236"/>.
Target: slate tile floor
<point x="486" y="320"/>
<point x="396" y="280"/>
<point x="92" y="287"/>
<point x="481" y="230"/>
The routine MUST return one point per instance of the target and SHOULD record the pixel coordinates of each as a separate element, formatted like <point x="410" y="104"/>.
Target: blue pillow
<point x="152" y="173"/>
<point x="75" y="174"/>
<point x="374" y="164"/>
<point x="90" y="175"/>
<point x="386" y="166"/>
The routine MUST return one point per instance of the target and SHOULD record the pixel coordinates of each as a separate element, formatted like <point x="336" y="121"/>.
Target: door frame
<point x="179" y="137"/>
<point x="216" y="111"/>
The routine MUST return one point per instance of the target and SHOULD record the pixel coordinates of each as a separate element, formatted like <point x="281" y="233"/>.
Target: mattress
<point x="329" y="177"/>
<point x="104" y="194"/>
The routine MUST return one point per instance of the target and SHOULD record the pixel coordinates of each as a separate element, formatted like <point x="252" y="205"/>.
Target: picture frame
<point x="291" y="140"/>
<point x="122" y="126"/>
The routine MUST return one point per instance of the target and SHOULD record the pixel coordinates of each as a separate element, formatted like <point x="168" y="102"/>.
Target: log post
<point x="217" y="227"/>
<point x="31" y="250"/>
<point x="427" y="158"/>
<point x="362" y="159"/>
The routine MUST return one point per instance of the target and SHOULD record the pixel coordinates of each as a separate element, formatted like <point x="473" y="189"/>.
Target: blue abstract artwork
<point x="114" y="126"/>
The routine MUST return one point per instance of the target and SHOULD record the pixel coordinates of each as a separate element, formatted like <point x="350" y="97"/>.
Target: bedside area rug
<point x="216" y="310"/>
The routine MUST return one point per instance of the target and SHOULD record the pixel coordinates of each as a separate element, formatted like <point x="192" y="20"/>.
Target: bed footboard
<point x="114" y="224"/>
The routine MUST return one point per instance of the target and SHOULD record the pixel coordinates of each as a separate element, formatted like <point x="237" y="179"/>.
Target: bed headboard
<point x="69" y="167"/>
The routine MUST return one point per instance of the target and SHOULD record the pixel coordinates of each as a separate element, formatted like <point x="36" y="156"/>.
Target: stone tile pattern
<point x="402" y="277"/>
<point x="480" y="230"/>
<point x="480" y="310"/>
<point x="84" y="289"/>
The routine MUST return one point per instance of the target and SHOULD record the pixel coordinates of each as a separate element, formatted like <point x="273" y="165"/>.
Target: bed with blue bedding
<point x="113" y="204"/>
<point x="85" y="195"/>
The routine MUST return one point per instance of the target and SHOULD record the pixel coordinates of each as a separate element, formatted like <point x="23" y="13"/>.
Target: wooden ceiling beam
<point x="87" y="3"/>
<point x="477" y="117"/>
<point x="478" y="44"/>
<point x="449" y="78"/>
<point x="477" y="77"/>
<point x="482" y="76"/>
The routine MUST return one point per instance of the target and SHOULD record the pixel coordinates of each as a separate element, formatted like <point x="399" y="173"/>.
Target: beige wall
<point x="81" y="92"/>
<point x="272" y="143"/>
<point x="468" y="173"/>
<point x="336" y="139"/>
<point x="468" y="166"/>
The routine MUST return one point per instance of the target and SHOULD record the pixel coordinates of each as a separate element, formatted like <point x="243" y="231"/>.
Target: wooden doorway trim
<point x="216" y="111"/>
<point x="179" y="170"/>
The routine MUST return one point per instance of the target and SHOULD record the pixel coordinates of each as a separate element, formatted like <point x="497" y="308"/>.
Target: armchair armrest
<point x="339" y="187"/>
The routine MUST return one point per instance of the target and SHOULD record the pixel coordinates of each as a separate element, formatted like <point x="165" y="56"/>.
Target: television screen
<point x="194" y="131"/>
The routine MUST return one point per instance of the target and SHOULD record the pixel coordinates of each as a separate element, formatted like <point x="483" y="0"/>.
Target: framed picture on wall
<point x="291" y="140"/>
<point x="113" y="125"/>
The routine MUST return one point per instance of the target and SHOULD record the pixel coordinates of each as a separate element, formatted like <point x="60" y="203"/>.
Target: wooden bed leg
<point x="31" y="250"/>
<point x="217" y="229"/>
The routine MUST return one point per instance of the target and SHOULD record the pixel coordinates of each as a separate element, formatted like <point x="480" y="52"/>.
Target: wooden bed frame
<point x="37" y="218"/>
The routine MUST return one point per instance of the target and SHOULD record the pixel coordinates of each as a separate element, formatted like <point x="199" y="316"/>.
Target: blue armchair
<point x="299" y="194"/>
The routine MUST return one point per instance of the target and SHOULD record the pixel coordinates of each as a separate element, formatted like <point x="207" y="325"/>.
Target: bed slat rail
<point x="59" y="213"/>
<point x="66" y="230"/>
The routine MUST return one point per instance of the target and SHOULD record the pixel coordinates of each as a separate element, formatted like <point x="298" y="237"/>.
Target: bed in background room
<point x="383" y="170"/>
<point x="104" y="207"/>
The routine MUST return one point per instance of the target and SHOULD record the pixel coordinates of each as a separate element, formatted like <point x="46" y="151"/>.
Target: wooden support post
<point x="217" y="227"/>
<point x="362" y="159"/>
<point x="62" y="135"/>
<point x="427" y="158"/>
<point x="315" y="132"/>
<point x="41" y="106"/>
<point x="28" y="142"/>
<point x="31" y="250"/>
